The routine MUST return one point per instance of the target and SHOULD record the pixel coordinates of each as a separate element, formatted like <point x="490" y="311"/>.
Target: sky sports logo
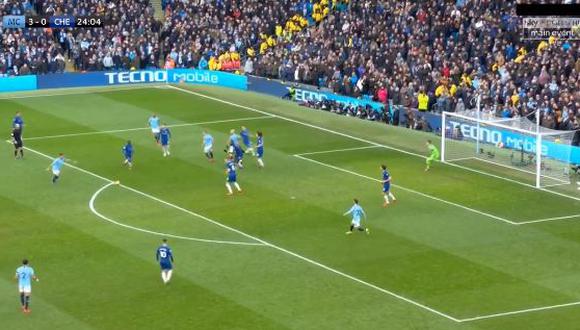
<point x="542" y="28"/>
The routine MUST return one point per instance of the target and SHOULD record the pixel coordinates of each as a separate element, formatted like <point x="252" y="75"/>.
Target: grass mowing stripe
<point x="97" y="213"/>
<point x="145" y="128"/>
<point x="335" y="150"/>
<point x="76" y="91"/>
<point x="410" y="190"/>
<point x="296" y="255"/>
<point x="363" y="140"/>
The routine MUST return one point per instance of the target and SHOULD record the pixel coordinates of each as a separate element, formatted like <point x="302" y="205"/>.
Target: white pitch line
<point x="536" y="309"/>
<point x="281" y="249"/>
<point x="336" y="150"/>
<point x="565" y="217"/>
<point x="359" y="139"/>
<point x="145" y="128"/>
<point x="411" y="191"/>
<point x="100" y="215"/>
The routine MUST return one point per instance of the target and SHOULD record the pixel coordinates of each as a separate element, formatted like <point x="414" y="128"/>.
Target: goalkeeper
<point x="433" y="156"/>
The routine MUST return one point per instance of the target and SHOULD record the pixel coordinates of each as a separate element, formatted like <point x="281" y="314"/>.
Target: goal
<point x="516" y="149"/>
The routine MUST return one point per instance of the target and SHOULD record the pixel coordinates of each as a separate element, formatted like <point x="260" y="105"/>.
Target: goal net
<point x="517" y="149"/>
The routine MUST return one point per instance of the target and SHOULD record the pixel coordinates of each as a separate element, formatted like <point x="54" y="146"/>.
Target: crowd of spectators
<point x="431" y="55"/>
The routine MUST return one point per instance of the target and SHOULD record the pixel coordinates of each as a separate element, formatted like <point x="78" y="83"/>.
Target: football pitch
<point x="461" y="249"/>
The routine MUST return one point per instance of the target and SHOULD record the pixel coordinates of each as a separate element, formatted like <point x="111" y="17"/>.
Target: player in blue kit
<point x="357" y="214"/>
<point x="128" y="154"/>
<point x="164" y="137"/>
<point x="239" y="156"/>
<point x="232" y="178"/>
<point x="56" y="167"/>
<point x="17" y="121"/>
<point x="164" y="256"/>
<point x="155" y="127"/>
<point x="245" y="134"/>
<point x="208" y="146"/>
<point x="24" y="276"/>
<point x="260" y="148"/>
<point x="386" y="181"/>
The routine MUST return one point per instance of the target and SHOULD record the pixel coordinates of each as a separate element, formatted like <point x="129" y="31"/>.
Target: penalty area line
<point x="276" y="247"/>
<point x="203" y="240"/>
<point x="495" y="217"/>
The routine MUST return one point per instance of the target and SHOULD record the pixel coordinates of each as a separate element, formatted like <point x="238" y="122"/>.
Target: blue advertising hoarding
<point x="15" y="84"/>
<point x="200" y="77"/>
<point x="303" y="94"/>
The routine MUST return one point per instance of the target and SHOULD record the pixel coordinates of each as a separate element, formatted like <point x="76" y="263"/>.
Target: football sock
<point x="22" y="299"/>
<point x="26" y="301"/>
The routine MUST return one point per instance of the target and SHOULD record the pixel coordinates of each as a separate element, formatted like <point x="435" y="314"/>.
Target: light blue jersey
<point x="234" y="139"/>
<point x="357" y="212"/>
<point x="24" y="274"/>
<point x="207" y="140"/>
<point x="154" y="123"/>
<point x="57" y="164"/>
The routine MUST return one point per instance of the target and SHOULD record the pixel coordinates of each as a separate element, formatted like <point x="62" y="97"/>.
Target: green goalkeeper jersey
<point x="434" y="151"/>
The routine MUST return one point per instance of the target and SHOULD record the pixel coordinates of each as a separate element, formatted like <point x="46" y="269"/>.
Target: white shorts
<point x="56" y="172"/>
<point x="155" y="130"/>
<point x="24" y="289"/>
<point x="355" y="223"/>
<point x="207" y="149"/>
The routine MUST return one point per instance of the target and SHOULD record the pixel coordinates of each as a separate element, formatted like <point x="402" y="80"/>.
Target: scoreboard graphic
<point x="54" y="22"/>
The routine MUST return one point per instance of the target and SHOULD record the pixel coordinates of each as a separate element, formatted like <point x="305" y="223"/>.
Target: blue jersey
<point x="246" y="137"/>
<point x="234" y="139"/>
<point x="356" y="211"/>
<point x="128" y="150"/>
<point x="207" y="140"/>
<point x="17" y="121"/>
<point x="238" y="152"/>
<point x="25" y="274"/>
<point x="57" y="164"/>
<point x="164" y="256"/>
<point x="231" y="170"/>
<point x="386" y="181"/>
<point x="154" y="122"/>
<point x="260" y="146"/>
<point x="165" y="135"/>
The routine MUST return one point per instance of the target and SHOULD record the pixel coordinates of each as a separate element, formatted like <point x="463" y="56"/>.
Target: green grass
<point x="443" y="245"/>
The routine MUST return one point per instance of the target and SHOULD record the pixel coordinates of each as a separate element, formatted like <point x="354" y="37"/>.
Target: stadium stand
<point x="426" y="55"/>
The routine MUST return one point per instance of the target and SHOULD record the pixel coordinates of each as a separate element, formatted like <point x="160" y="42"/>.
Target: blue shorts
<point x="248" y="144"/>
<point x="260" y="152"/>
<point x="386" y="187"/>
<point x="166" y="265"/>
<point x="164" y="143"/>
<point x="232" y="178"/>
<point x="129" y="158"/>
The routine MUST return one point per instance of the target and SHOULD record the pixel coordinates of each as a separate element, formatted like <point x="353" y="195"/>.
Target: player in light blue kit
<point x="232" y="178"/>
<point x="128" y="154"/>
<point x="208" y="146"/>
<point x="245" y="134"/>
<point x="56" y="167"/>
<point x="164" y="256"/>
<point x="357" y="214"/>
<point x="154" y="124"/>
<point x="233" y="141"/>
<point x="260" y="148"/>
<point x="386" y="181"/>
<point x="164" y="137"/>
<point x="25" y="275"/>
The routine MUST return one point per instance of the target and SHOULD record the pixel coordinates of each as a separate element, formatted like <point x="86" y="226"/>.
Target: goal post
<point x="516" y="149"/>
